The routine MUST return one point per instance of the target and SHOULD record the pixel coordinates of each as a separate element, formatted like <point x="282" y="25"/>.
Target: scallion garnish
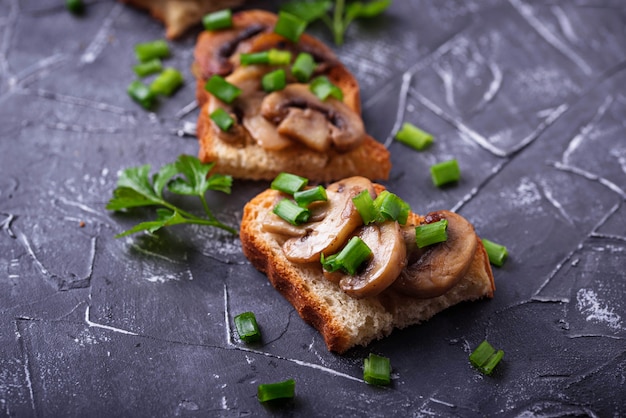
<point x="364" y="204"/>
<point x="75" y="6"/>
<point x="280" y="390"/>
<point x="322" y="88"/>
<point x="288" y="183"/>
<point x="291" y="212"/>
<point x="497" y="253"/>
<point x="222" y="89"/>
<point x="149" y="50"/>
<point x="305" y="197"/>
<point x="414" y="137"/>
<point x="349" y="259"/>
<point x="303" y="67"/>
<point x="149" y="67"/>
<point x="271" y="57"/>
<point x="221" y="19"/>
<point x="485" y="358"/>
<point x="391" y="207"/>
<point x="247" y="327"/>
<point x="278" y="57"/>
<point x="432" y="233"/>
<point x="167" y="82"/>
<point x="445" y="172"/>
<point x="274" y="80"/>
<point x="222" y="119"/>
<point x="289" y="26"/>
<point x="377" y="370"/>
<point x="141" y="93"/>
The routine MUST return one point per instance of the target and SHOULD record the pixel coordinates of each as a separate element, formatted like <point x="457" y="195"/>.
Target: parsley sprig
<point x="186" y="176"/>
<point x="337" y="17"/>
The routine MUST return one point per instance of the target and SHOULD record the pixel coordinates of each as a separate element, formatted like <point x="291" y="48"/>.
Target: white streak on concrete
<point x="586" y="129"/>
<point x="107" y="327"/>
<point x="99" y="42"/>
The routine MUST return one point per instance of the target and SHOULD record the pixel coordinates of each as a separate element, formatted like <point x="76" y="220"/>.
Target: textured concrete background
<point x="529" y="96"/>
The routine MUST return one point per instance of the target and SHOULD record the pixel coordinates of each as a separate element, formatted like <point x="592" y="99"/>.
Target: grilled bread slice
<point x="346" y="319"/>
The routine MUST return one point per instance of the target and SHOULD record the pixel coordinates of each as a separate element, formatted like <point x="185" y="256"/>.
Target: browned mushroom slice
<point x="340" y="220"/>
<point x="344" y="127"/>
<point x="274" y="224"/>
<point x="388" y="259"/>
<point x="435" y="269"/>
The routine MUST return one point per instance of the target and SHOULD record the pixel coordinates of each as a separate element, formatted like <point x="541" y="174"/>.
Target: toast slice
<point x="243" y="150"/>
<point x="343" y="320"/>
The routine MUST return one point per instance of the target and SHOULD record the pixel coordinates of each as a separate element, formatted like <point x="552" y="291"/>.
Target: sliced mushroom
<point x="307" y="126"/>
<point x="344" y="126"/>
<point x="388" y="259"/>
<point x="433" y="270"/>
<point x="340" y="220"/>
<point x="276" y="225"/>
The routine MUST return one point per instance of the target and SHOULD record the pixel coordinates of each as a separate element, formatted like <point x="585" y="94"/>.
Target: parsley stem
<point x="193" y="219"/>
<point x="206" y="208"/>
<point x="338" y="28"/>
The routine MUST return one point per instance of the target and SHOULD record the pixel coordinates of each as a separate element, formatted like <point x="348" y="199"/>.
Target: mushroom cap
<point x="388" y="259"/>
<point x="433" y="270"/>
<point x="340" y="220"/>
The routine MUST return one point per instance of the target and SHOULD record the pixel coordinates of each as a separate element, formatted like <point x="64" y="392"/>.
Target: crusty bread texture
<point x="342" y="320"/>
<point x="217" y="53"/>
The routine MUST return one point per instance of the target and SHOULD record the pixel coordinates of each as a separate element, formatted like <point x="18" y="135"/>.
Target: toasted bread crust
<point x="343" y="321"/>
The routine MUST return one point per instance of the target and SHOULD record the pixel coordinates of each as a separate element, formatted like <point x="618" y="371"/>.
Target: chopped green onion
<point x="222" y="119"/>
<point x="414" y="137"/>
<point x="322" y="88"/>
<point x="247" y="327"/>
<point x="149" y="50"/>
<point x="167" y="82"/>
<point x="275" y="80"/>
<point x="305" y="197"/>
<point x="485" y="357"/>
<point x="291" y="212"/>
<point x="497" y="253"/>
<point x="391" y="207"/>
<point x="377" y="370"/>
<point x="149" y="67"/>
<point x="288" y="183"/>
<point x="141" y="93"/>
<point x="278" y="57"/>
<point x="445" y="172"/>
<point x="222" y="89"/>
<point x="222" y="19"/>
<point x="303" y="67"/>
<point x="432" y="233"/>
<point x="75" y="6"/>
<point x="364" y="204"/>
<point x="349" y="259"/>
<point x="271" y="57"/>
<point x="280" y="390"/>
<point x="289" y="26"/>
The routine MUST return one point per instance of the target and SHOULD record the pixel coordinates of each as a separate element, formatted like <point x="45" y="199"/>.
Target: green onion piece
<point x="364" y="204"/>
<point x="141" y="93"/>
<point x="149" y="50"/>
<point x="497" y="253"/>
<point x="275" y="80"/>
<point x="222" y="89"/>
<point x="75" y="6"/>
<point x="391" y="207"/>
<point x="251" y="58"/>
<point x="167" y="82"/>
<point x="222" y="19"/>
<point x="149" y="67"/>
<point x="349" y="259"/>
<point x="291" y="212"/>
<point x="280" y="390"/>
<point x="303" y="67"/>
<point x="222" y="119"/>
<point x="322" y="88"/>
<point x="289" y="26"/>
<point x="445" y="172"/>
<point x="288" y="183"/>
<point x="305" y="197"/>
<point x="278" y="57"/>
<point x="432" y="233"/>
<point x="485" y="357"/>
<point x="247" y="327"/>
<point x="377" y="370"/>
<point x="414" y="137"/>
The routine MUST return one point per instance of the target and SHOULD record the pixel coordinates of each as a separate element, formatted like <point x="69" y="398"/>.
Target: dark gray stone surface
<point x="529" y="96"/>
